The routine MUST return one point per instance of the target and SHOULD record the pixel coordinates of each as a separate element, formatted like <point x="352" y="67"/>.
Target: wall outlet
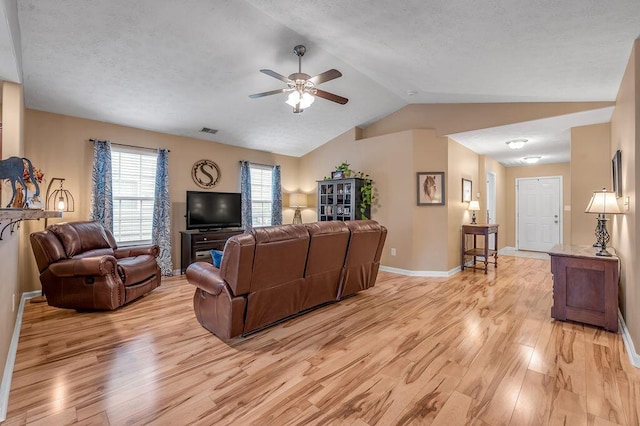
<point x="13" y="302"/>
<point x="393" y="251"/>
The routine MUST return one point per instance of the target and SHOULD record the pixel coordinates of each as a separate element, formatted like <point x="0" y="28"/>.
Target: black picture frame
<point x="338" y="174"/>
<point x="616" y="173"/>
<point x="431" y="189"/>
<point x="467" y="190"/>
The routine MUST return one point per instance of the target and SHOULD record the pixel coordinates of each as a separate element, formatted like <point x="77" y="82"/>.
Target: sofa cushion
<point x="78" y="237"/>
<point x="133" y="270"/>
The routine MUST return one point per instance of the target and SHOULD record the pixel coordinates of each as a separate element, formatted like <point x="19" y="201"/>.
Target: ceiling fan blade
<point x="325" y="76"/>
<point x="275" y="75"/>
<point x="271" y="92"/>
<point x="331" y="97"/>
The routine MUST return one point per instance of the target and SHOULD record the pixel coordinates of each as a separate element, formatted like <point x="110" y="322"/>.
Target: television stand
<point x="195" y="246"/>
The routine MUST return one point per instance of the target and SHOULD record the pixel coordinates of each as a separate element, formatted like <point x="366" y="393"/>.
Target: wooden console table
<point x="475" y="251"/>
<point x="585" y="286"/>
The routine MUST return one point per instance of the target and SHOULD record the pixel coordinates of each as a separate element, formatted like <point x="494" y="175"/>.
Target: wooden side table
<point x="475" y="251"/>
<point x="585" y="286"/>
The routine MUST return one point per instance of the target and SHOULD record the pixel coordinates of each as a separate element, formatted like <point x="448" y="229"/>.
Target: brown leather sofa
<point x="81" y="267"/>
<point x="277" y="272"/>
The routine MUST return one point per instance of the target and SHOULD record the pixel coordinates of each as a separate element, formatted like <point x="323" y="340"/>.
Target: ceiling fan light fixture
<point x="293" y="98"/>
<point x="306" y="100"/>
<point x="516" y="143"/>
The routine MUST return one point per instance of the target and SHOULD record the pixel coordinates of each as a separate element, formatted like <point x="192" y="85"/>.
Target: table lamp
<point x="603" y="203"/>
<point x="58" y="199"/>
<point x="297" y="200"/>
<point x="474" y="206"/>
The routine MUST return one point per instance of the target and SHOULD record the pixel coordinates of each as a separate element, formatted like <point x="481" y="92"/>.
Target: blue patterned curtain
<point x="161" y="232"/>
<point x="245" y="189"/>
<point x="276" y="197"/>
<point x="101" y="195"/>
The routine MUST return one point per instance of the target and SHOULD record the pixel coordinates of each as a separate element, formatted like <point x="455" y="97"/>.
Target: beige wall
<point x="60" y="146"/>
<point x="463" y="163"/>
<point x="447" y="119"/>
<point x="485" y="165"/>
<point x="589" y="172"/>
<point x="625" y="136"/>
<point x="10" y="291"/>
<point x="531" y="171"/>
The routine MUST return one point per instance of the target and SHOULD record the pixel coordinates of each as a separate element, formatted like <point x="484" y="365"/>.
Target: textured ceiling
<point x="175" y="67"/>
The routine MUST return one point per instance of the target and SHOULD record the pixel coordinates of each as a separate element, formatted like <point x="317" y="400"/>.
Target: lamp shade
<point x="603" y="202"/>
<point x="474" y="205"/>
<point x="297" y="199"/>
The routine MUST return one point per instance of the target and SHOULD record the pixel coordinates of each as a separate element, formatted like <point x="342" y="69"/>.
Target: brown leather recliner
<point x="81" y="267"/>
<point x="276" y="272"/>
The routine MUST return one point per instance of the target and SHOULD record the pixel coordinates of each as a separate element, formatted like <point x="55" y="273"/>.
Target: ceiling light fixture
<point x="516" y="143"/>
<point x="532" y="160"/>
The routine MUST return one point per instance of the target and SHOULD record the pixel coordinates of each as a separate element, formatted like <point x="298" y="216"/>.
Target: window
<point x="261" y="195"/>
<point x="134" y="176"/>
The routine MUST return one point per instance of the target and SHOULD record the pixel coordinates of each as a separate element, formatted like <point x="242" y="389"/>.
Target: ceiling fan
<point x="302" y="87"/>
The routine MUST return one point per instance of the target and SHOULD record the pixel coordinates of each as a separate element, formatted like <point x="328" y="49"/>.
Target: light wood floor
<point x="472" y="349"/>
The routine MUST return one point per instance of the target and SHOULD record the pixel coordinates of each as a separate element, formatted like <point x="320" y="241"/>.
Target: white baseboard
<point x="409" y="273"/>
<point x="5" y="387"/>
<point x="634" y="358"/>
<point x="507" y="249"/>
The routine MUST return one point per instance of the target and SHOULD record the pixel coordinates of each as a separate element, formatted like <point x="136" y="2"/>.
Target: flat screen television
<point x="213" y="210"/>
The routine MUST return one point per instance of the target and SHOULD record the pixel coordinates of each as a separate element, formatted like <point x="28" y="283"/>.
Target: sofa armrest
<point x="101" y="265"/>
<point x="205" y="276"/>
<point x="133" y="251"/>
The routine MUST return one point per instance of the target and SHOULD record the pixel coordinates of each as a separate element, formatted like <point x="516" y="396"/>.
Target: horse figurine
<point x="13" y="169"/>
<point x="430" y="189"/>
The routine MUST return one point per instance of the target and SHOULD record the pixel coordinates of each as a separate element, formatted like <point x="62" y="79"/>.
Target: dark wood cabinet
<point x="197" y="245"/>
<point x="585" y="286"/>
<point x="340" y="199"/>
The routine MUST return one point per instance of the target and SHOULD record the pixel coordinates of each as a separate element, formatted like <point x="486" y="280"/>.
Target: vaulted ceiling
<point x="175" y="67"/>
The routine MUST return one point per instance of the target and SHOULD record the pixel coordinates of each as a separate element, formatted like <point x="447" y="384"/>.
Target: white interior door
<point x="538" y="214"/>
<point x="491" y="205"/>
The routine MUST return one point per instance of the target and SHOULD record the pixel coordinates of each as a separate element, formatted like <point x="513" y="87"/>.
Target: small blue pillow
<point x="216" y="255"/>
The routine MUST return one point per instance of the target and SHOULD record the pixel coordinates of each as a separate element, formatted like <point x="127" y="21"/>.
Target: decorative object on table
<point x="616" y="173"/>
<point x="603" y="203"/>
<point x="302" y="87"/>
<point x="205" y="173"/>
<point x="467" y="186"/>
<point x="297" y="200"/>
<point x="14" y="169"/>
<point x="431" y="189"/>
<point x="474" y="206"/>
<point x="60" y="199"/>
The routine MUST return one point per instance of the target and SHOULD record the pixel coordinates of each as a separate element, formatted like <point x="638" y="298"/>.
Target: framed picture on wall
<point x="467" y="186"/>
<point x="616" y="173"/>
<point x="431" y="188"/>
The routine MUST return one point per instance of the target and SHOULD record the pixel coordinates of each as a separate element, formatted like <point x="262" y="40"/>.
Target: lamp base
<point x="297" y="217"/>
<point x="473" y="218"/>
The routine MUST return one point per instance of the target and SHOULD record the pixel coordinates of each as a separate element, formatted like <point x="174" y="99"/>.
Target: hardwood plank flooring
<point x="473" y="349"/>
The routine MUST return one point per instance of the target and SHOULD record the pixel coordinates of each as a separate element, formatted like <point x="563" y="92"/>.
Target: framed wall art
<point x="431" y="189"/>
<point x="467" y="186"/>
<point x="616" y="173"/>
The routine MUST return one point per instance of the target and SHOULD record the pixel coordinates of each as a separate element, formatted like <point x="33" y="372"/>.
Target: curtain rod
<point x="129" y="146"/>
<point x="257" y="164"/>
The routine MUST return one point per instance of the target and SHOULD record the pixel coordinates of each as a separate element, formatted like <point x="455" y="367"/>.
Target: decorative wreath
<point x="205" y="173"/>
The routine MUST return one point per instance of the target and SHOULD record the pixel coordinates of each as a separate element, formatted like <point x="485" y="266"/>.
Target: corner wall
<point x="625" y="136"/>
<point x="12" y="145"/>
<point x="590" y="171"/>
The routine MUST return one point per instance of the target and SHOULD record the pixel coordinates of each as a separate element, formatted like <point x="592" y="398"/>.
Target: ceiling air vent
<point x="208" y="130"/>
